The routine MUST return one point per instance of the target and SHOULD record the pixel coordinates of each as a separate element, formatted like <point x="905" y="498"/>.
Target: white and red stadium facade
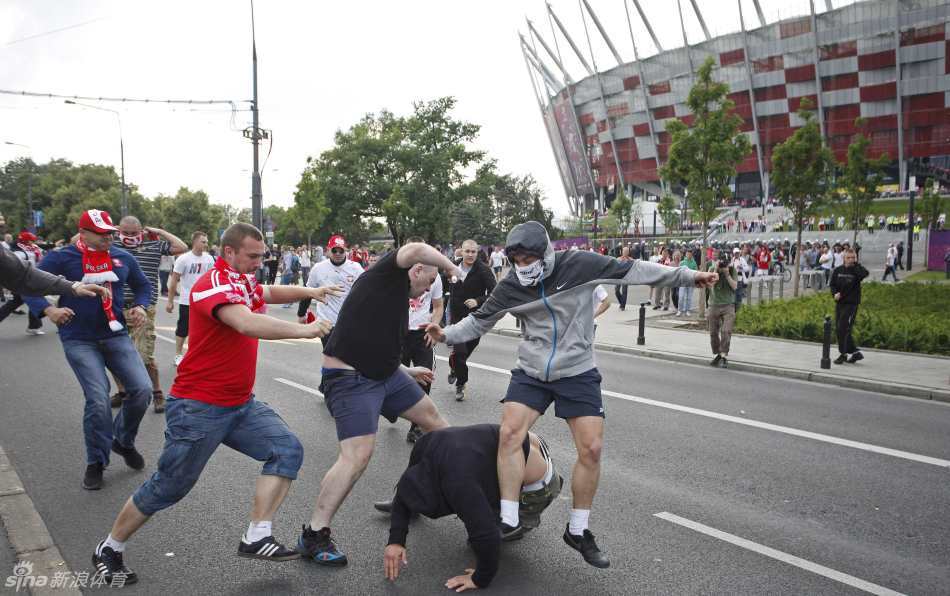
<point x="887" y="61"/>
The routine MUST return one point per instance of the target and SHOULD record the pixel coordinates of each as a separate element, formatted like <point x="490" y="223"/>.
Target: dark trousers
<point x="163" y="276"/>
<point x="891" y="270"/>
<point x="845" y="315"/>
<point x="415" y="352"/>
<point x="458" y="361"/>
<point x="12" y="305"/>
<point x="621" y="293"/>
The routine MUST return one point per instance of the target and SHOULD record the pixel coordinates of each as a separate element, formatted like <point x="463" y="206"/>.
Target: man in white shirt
<point x="601" y="303"/>
<point x="425" y="309"/>
<point x="497" y="262"/>
<point x="188" y="268"/>
<point x="335" y="271"/>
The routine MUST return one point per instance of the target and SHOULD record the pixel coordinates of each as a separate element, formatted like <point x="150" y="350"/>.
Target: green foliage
<point x="802" y="174"/>
<point x="667" y="208"/>
<point x="622" y="211"/>
<point x="861" y="179"/>
<point x="908" y="317"/>
<point x="930" y="205"/>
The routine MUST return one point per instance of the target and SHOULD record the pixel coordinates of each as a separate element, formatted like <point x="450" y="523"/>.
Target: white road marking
<point x="778" y="555"/>
<point x="298" y="386"/>
<point x="163" y="338"/>
<point x="924" y="459"/>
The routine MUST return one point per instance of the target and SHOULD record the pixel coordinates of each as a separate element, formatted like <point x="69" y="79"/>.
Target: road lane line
<point x="298" y="386"/>
<point x="778" y="555"/>
<point x="163" y="338"/>
<point x="924" y="459"/>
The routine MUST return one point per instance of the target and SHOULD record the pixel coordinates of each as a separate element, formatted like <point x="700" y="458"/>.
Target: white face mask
<point x="529" y="275"/>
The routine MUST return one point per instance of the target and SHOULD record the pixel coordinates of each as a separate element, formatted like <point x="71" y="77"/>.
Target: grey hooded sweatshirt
<point x="557" y="314"/>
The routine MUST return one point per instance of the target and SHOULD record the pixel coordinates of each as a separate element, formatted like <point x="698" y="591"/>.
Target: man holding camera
<point x="722" y="309"/>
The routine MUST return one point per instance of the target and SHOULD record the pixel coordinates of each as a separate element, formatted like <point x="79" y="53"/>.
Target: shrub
<point x="908" y="317"/>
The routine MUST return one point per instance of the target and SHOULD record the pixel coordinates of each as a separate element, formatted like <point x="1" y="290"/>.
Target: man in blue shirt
<point x="94" y="336"/>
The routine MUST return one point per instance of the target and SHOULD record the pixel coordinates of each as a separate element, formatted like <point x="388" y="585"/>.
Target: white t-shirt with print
<point x="325" y="273"/>
<point x="190" y="267"/>
<point x="600" y="294"/>
<point x="497" y="258"/>
<point x="420" y="309"/>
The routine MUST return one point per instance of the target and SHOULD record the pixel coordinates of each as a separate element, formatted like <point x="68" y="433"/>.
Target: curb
<point x="916" y="391"/>
<point x="28" y="534"/>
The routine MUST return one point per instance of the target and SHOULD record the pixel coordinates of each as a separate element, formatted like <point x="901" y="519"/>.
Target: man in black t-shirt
<point x="363" y="378"/>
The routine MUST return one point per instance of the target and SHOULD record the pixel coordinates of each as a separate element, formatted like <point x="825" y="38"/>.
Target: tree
<point x="622" y="210"/>
<point x="703" y="158"/>
<point x="669" y="215"/>
<point x="861" y="179"/>
<point x="931" y="205"/>
<point x="802" y="175"/>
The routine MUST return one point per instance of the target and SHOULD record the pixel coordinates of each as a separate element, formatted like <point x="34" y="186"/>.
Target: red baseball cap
<point x="336" y="241"/>
<point x="26" y="236"/>
<point x="97" y="221"/>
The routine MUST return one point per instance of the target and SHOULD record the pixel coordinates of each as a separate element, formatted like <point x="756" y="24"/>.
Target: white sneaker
<point x="35" y="332"/>
<point x="179" y="358"/>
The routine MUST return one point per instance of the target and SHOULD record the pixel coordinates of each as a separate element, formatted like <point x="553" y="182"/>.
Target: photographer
<point x="722" y="309"/>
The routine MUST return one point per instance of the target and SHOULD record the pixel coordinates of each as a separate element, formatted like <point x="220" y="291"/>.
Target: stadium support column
<point x="759" y="13"/>
<point x="646" y="22"/>
<point x="901" y="163"/>
<point x="699" y="15"/>
<point x="643" y="86"/>
<point x="689" y="56"/>
<point x="763" y="178"/>
<point x="600" y="87"/>
<point x="818" y="92"/>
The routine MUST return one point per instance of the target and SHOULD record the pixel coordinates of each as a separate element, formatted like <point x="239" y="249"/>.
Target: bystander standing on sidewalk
<point x="165" y="267"/>
<point x="890" y="261"/>
<point x="621" y="289"/>
<point x="686" y="293"/>
<point x="846" y="289"/>
<point x="721" y="315"/>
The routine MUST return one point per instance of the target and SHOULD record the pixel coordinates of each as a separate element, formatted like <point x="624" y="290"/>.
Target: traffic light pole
<point x="257" y="208"/>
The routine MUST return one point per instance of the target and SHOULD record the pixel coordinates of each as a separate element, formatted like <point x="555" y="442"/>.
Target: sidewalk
<point x="898" y="373"/>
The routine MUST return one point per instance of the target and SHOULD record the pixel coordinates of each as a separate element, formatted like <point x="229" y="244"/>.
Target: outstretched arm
<point x="419" y="252"/>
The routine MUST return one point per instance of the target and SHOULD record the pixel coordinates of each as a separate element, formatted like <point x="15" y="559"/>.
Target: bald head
<point x="421" y="278"/>
<point x="130" y="225"/>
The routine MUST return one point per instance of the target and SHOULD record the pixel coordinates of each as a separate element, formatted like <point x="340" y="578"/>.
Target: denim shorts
<point x="573" y="397"/>
<point x="193" y="431"/>
<point x="356" y="402"/>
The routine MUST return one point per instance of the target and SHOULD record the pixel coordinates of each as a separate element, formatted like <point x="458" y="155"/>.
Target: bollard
<point x="642" y="325"/>
<point x="748" y="293"/>
<point x="771" y="289"/>
<point x="760" y="291"/>
<point x="826" y="345"/>
<point x="781" y="287"/>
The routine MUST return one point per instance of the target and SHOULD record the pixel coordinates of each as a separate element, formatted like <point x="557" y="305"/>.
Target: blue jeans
<point x="89" y="360"/>
<point x="193" y="432"/>
<point x="686" y="299"/>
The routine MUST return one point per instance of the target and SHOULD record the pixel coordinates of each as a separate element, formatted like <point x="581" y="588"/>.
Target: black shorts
<point x="573" y="397"/>
<point x="182" y="329"/>
<point x="356" y="402"/>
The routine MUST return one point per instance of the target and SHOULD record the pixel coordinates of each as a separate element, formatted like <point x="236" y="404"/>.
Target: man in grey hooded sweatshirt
<point x="551" y="294"/>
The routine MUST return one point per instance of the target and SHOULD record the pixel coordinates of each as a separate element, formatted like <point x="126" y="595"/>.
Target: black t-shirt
<point x="373" y="320"/>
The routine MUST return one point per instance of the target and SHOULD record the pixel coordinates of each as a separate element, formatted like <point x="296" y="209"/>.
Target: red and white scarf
<point x="97" y="269"/>
<point x="29" y="247"/>
<point x="247" y="284"/>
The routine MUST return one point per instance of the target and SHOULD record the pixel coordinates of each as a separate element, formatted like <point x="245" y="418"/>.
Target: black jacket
<point x="847" y="280"/>
<point x="454" y="470"/>
<point x="478" y="284"/>
<point x="21" y="277"/>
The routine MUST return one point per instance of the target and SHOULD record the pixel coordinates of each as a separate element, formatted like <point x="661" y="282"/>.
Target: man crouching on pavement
<point x="454" y="471"/>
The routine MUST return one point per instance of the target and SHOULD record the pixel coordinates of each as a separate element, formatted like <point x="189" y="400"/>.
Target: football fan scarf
<point x="248" y="284"/>
<point x="97" y="269"/>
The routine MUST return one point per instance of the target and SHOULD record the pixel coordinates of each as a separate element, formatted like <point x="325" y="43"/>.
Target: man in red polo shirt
<point x="212" y="402"/>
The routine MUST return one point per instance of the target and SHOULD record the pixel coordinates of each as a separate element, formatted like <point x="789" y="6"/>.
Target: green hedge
<point x="908" y="317"/>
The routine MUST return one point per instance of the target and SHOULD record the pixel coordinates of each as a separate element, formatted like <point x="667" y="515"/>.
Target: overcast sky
<point x="322" y="66"/>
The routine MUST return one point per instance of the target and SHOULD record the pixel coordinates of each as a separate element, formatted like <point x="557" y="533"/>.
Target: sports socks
<point x="509" y="512"/>
<point x="579" y="519"/>
<point x="113" y="544"/>
<point x="257" y="530"/>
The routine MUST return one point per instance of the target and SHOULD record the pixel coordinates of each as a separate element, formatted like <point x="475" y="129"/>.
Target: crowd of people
<point x="497" y="477"/>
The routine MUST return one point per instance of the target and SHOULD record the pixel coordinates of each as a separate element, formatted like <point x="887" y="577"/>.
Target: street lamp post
<point x="29" y="192"/>
<point x="125" y="198"/>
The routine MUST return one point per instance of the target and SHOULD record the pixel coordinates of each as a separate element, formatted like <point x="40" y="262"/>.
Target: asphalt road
<point x="704" y="472"/>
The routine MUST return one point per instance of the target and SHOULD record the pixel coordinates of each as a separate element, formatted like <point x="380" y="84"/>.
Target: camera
<point x="723" y="260"/>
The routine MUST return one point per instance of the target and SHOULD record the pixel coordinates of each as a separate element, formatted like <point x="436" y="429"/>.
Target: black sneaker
<point x="116" y="400"/>
<point x="587" y="547"/>
<point x="266" y="548"/>
<point x="108" y="565"/>
<point x="724" y="363"/>
<point x="841" y="359"/>
<point x="93" y="478"/>
<point x="452" y="378"/>
<point x="715" y="361"/>
<point x="856" y="357"/>
<point x="460" y="393"/>
<point x="512" y="533"/>
<point x="384" y="506"/>
<point x="132" y="457"/>
<point x="319" y="547"/>
<point x="415" y="433"/>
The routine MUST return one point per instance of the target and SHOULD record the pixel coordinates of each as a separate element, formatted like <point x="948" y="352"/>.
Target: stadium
<point x="608" y="128"/>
